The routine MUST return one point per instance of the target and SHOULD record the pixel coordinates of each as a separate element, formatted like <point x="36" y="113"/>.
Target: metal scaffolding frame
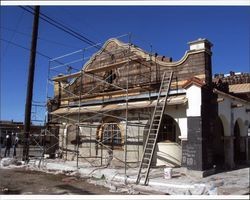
<point x="78" y="122"/>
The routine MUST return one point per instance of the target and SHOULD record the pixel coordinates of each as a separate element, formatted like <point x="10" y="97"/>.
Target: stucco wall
<point x="229" y="115"/>
<point x="193" y="94"/>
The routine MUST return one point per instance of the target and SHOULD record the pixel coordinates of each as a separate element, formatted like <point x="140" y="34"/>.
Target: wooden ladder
<point x="154" y="128"/>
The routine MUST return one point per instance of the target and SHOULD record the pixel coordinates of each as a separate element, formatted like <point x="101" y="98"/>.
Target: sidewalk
<point x="227" y="183"/>
<point x="232" y="182"/>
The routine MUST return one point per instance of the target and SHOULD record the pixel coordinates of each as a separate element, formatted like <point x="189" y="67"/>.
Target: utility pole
<point x="30" y="82"/>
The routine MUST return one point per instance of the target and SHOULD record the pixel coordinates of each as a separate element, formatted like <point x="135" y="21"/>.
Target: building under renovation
<point x="127" y="107"/>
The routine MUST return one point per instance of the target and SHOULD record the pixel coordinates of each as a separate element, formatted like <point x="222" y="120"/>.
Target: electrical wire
<point x="72" y="32"/>
<point x="14" y="33"/>
<point x="20" y="46"/>
<point x="61" y="27"/>
<point x="39" y="38"/>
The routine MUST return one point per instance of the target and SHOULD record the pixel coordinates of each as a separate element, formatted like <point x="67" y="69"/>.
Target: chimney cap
<point x="201" y="40"/>
<point x="201" y="43"/>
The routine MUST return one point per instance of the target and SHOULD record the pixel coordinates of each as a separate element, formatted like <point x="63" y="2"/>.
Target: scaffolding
<point x="40" y="141"/>
<point x="80" y="103"/>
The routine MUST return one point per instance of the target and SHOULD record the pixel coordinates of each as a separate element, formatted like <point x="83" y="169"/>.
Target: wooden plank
<point x="114" y="65"/>
<point x="102" y="68"/>
<point x="61" y="78"/>
<point x="111" y="93"/>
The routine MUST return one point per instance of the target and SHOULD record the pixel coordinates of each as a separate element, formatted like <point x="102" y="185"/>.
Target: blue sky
<point x="167" y="28"/>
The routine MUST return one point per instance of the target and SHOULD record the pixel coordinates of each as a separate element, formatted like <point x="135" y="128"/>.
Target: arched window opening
<point x="111" y="134"/>
<point x="169" y="130"/>
<point x="110" y="76"/>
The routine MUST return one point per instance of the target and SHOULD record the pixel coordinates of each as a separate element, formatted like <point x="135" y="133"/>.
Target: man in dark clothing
<point x="15" y="143"/>
<point x="8" y="144"/>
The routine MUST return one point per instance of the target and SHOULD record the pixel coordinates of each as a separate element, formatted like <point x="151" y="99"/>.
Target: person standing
<point x="8" y="144"/>
<point x="15" y="143"/>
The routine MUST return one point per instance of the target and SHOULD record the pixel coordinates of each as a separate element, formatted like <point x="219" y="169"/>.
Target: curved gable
<point x="112" y="52"/>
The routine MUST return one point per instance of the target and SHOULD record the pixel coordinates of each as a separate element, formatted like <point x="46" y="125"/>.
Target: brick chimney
<point x="205" y="46"/>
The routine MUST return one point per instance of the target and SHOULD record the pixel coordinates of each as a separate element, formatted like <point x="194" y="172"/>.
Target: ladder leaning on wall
<point x="154" y="129"/>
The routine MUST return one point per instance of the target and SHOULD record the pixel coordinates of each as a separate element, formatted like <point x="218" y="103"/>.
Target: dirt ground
<point x="22" y="181"/>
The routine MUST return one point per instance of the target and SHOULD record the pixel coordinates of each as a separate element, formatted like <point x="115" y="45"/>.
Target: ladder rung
<point x="155" y="124"/>
<point x="132" y="150"/>
<point x="165" y="82"/>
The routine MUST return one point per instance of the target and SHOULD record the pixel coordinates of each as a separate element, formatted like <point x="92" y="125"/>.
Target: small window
<point x="110" y="76"/>
<point x="169" y="130"/>
<point x="111" y="134"/>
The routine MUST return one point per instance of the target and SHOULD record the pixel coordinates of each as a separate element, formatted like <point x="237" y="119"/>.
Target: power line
<point x="39" y="53"/>
<point x="61" y="26"/>
<point x="20" y="46"/>
<point x="40" y="38"/>
<point x="67" y="30"/>
<point x="72" y="32"/>
<point x="14" y="33"/>
<point x="81" y="20"/>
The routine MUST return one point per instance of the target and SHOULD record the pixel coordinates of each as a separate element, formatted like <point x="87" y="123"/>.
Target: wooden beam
<point x="236" y="105"/>
<point x="102" y="68"/>
<point x="113" y="65"/>
<point x="101" y="94"/>
<point x="220" y="99"/>
<point x="64" y="77"/>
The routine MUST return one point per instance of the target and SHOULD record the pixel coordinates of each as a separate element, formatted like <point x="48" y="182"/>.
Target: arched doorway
<point x="237" y="156"/>
<point x="239" y="142"/>
<point x="218" y="143"/>
<point x="168" y="150"/>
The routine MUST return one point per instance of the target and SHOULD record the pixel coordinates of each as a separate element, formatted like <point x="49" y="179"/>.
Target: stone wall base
<point x="200" y="174"/>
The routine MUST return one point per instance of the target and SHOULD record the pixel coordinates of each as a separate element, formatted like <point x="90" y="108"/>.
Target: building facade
<point x="103" y="112"/>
